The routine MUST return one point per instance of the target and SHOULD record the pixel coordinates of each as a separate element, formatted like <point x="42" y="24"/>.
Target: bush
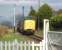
<point x="3" y="30"/>
<point x="56" y="23"/>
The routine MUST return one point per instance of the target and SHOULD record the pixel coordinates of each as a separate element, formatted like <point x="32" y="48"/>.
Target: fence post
<point x="21" y="44"/>
<point x="16" y="44"/>
<point x="32" y="45"/>
<point x="37" y="48"/>
<point x="1" y="45"/>
<point x="5" y="45"/>
<point x="29" y="44"/>
<point x="9" y="46"/>
<point x="46" y="29"/>
<point x="13" y="46"/>
<point x="41" y="46"/>
<point x="25" y="45"/>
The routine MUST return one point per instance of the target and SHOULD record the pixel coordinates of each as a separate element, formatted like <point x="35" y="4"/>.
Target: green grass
<point x="13" y="36"/>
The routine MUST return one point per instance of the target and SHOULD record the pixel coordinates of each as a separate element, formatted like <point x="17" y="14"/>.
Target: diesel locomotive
<point x="27" y="27"/>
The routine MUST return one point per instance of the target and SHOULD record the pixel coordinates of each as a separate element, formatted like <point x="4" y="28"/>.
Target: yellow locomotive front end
<point x="29" y="26"/>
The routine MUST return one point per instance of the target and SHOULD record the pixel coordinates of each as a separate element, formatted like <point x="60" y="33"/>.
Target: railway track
<point x="37" y="38"/>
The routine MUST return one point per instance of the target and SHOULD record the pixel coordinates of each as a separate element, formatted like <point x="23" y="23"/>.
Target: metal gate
<point x="52" y="39"/>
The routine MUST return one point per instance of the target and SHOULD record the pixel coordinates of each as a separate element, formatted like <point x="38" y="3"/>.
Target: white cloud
<point x="56" y="6"/>
<point x="18" y="1"/>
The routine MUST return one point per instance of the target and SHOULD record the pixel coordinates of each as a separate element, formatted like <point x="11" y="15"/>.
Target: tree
<point x="45" y="11"/>
<point x="59" y="12"/>
<point x="32" y="12"/>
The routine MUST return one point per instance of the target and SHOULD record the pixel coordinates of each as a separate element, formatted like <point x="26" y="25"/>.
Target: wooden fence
<point x="20" y="45"/>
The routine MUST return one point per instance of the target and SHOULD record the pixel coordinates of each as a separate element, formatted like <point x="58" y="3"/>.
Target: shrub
<point x="3" y="30"/>
<point x="56" y="22"/>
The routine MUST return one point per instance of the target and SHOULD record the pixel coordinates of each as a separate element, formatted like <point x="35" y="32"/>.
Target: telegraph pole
<point x="38" y="16"/>
<point x="23" y="11"/>
<point x="14" y="18"/>
<point x="23" y="17"/>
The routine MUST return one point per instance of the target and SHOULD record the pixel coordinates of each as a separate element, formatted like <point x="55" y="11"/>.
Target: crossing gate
<point x="52" y="39"/>
<point x="22" y="45"/>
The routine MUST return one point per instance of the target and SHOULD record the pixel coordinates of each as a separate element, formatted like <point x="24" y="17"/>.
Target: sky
<point x="7" y="6"/>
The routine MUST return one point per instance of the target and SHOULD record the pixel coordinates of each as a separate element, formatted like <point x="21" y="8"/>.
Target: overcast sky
<point x="7" y="6"/>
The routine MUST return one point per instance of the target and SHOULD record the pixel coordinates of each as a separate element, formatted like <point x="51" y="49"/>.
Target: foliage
<point x="56" y="22"/>
<point x="45" y="11"/>
<point x="59" y="12"/>
<point x="28" y="17"/>
<point x="32" y="12"/>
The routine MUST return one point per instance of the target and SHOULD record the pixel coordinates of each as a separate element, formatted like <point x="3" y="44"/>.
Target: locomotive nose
<point x="28" y="32"/>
